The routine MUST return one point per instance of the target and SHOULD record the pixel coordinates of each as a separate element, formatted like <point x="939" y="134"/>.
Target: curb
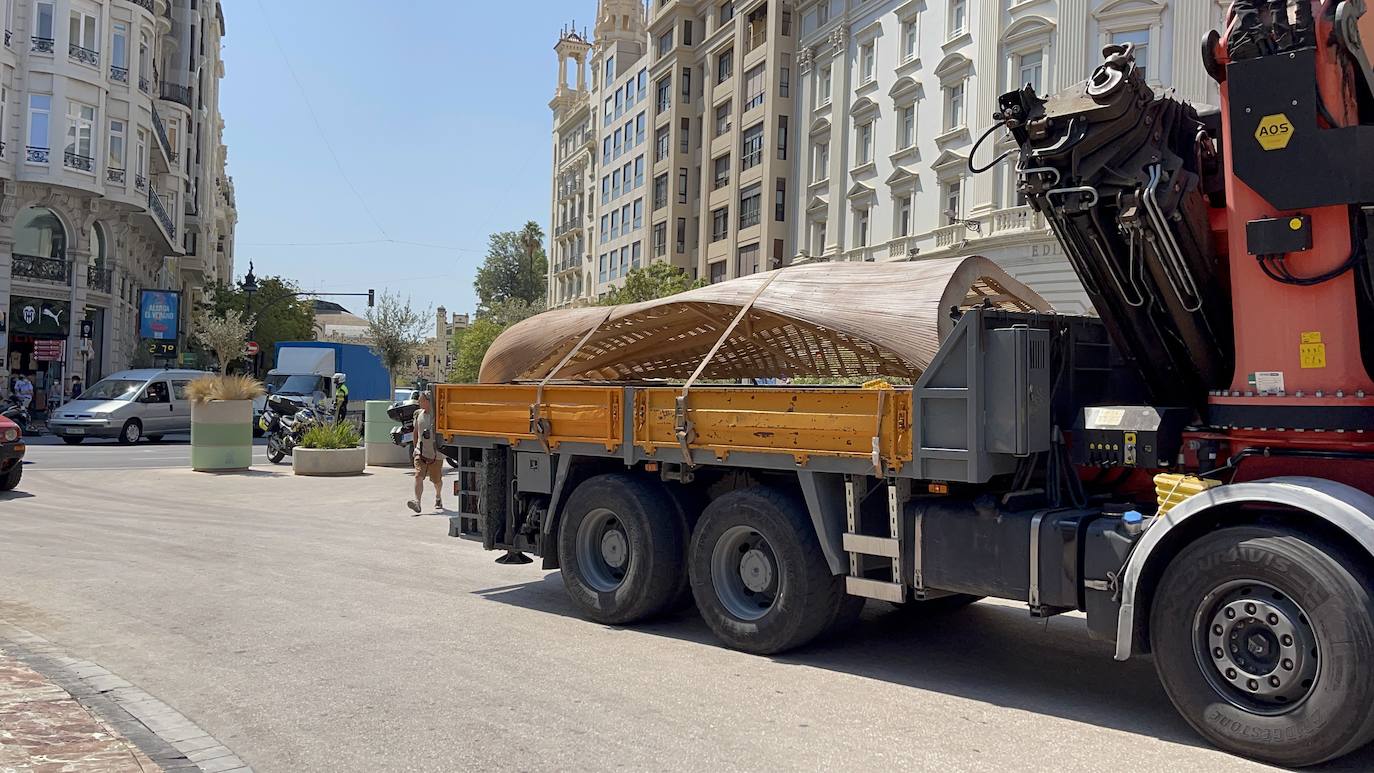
<point x="162" y="733"/>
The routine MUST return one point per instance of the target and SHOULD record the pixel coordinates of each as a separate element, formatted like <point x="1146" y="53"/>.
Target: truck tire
<point x="759" y="577"/>
<point x="10" y="480"/>
<point x="621" y="548"/>
<point x="1264" y="640"/>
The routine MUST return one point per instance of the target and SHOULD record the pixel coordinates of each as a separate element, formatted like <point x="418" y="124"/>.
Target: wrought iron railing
<point x="160" y="212"/>
<point x="56" y="270"/>
<point x="36" y="155"/>
<point x="83" y="55"/>
<point x="147" y="5"/>
<point x="175" y="92"/>
<point x="8" y="37"/>
<point x="161" y="131"/>
<point x="120" y="74"/>
<point x="42" y="45"/>
<point x="140" y="182"/>
<point x="99" y="278"/>
<point x="78" y="161"/>
<point x="114" y="174"/>
<point x="143" y="84"/>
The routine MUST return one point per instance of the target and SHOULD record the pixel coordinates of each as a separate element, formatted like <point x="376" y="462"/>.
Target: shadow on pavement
<point x="990" y="653"/>
<point x="8" y="495"/>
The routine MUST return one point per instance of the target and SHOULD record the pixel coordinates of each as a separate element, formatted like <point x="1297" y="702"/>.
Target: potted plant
<point x="222" y="422"/>
<point x="329" y="450"/>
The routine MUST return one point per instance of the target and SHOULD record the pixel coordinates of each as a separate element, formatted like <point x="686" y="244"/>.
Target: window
<point x="615" y="184"/>
<point x="1029" y="67"/>
<point x="616" y="145"/>
<point x="635" y="255"/>
<point x="629" y="93"/>
<point x="602" y="269"/>
<point x="727" y="11"/>
<point x="605" y="189"/>
<point x="684" y="139"/>
<point x="40" y="106"/>
<point x="625" y="220"/>
<point x="619" y="102"/>
<point x="954" y="106"/>
<point x="786" y="24"/>
<point x="661" y="191"/>
<point x="863" y="144"/>
<point x="725" y="65"/>
<point x="43" y="26"/>
<point x="751" y="151"/>
<point x="665" y="43"/>
<point x="119" y="49"/>
<point x="687" y="32"/>
<point x="749" y="201"/>
<point x="682" y="186"/>
<point x="639" y="213"/>
<point x="782" y="138"/>
<point x="1141" y="39"/>
<point x="609" y="112"/>
<point x="958" y="17"/>
<point x="606" y="150"/>
<point x="906" y="129"/>
<point x="954" y="201"/>
<point x="720" y="224"/>
<point x="643" y="79"/>
<point x="780" y="200"/>
<point x="639" y="172"/>
<point x="722" y="118"/>
<point x="903" y="225"/>
<point x="665" y="94"/>
<point x="748" y="260"/>
<point x="823" y="86"/>
<point x="718" y="271"/>
<point x="867" y="62"/>
<point x="910" y="41"/>
<point x="660" y="240"/>
<point x="818" y="237"/>
<point x="785" y="77"/>
<point x="820" y="162"/>
<point x="610" y="68"/>
<point x="680" y="242"/>
<point x="615" y="223"/>
<point x="823" y="13"/>
<point x="722" y="172"/>
<point x="662" y="138"/>
<point x="686" y="84"/>
<point x="753" y="87"/>
<point x="640" y="122"/>
<point x="605" y="228"/>
<point x="141" y="169"/>
<point x="861" y="227"/>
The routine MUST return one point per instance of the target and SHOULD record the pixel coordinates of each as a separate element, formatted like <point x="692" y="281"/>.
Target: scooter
<point x="18" y="413"/>
<point x="403" y="434"/>
<point x="285" y="421"/>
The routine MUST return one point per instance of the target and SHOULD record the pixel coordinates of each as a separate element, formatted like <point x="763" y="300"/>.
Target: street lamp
<point x="249" y="285"/>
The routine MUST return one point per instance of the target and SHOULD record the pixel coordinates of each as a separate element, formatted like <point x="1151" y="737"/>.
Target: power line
<point x="319" y="127"/>
<point x="363" y="242"/>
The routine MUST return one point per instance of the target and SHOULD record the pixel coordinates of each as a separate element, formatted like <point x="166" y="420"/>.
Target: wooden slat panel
<point x="584" y="414"/>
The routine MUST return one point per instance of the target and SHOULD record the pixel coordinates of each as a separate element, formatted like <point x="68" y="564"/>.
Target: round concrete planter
<point x="381" y="452"/>
<point x="328" y="462"/>
<point x="222" y="435"/>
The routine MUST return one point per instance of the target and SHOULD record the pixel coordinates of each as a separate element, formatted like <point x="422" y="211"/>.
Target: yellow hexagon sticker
<point x="1274" y="132"/>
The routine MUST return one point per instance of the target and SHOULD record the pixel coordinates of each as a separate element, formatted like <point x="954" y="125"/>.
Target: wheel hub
<point x="1261" y="651"/>
<point x="603" y="550"/>
<point x="756" y="570"/>
<point x="614" y="548"/>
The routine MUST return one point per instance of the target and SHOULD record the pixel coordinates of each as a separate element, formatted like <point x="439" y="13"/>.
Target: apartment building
<point x="112" y="177"/>
<point x="893" y="95"/>
<point x="621" y="112"/>
<point x="574" y="161"/>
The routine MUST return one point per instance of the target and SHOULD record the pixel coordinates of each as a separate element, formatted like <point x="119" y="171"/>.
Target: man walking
<point x="428" y="463"/>
<point x="23" y="390"/>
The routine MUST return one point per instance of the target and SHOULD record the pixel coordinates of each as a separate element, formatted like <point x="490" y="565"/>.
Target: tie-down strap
<point x="683" y="421"/>
<point x="539" y="425"/>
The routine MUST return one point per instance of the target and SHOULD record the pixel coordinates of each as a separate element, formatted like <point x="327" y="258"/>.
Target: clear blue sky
<point x="437" y="111"/>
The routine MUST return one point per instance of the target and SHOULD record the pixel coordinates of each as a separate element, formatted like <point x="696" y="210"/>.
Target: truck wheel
<point x="1264" y="640"/>
<point x="10" y="480"/>
<point x="758" y="574"/>
<point x="621" y="549"/>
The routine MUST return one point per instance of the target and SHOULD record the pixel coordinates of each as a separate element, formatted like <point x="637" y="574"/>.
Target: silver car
<point x="128" y="405"/>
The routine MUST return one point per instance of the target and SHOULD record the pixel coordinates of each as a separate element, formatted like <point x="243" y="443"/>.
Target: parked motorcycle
<point x="16" y="412"/>
<point x="403" y="434"/>
<point x="285" y="421"/>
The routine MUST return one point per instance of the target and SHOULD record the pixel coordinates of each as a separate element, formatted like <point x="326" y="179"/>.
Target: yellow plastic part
<point x="1172" y="489"/>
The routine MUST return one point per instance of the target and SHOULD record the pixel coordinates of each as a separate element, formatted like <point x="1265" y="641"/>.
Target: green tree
<point x="396" y="331"/>
<point x="281" y="314"/>
<point x="515" y="269"/>
<point x="658" y="280"/>
<point x="224" y="334"/>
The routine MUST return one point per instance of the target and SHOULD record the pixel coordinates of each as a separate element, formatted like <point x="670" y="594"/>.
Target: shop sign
<point x="39" y="316"/>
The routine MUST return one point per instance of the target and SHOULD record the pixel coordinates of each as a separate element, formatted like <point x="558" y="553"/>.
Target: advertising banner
<point x="158" y="313"/>
<point x="39" y="316"/>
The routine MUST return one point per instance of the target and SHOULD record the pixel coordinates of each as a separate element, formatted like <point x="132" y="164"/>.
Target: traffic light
<point x="371" y="298"/>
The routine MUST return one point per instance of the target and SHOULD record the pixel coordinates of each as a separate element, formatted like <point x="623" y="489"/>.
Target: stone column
<point x="1192" y="21"/>
<point x="986" y="70"/>
<point x="840" y="126"/>
<point x="1073" y="47"/>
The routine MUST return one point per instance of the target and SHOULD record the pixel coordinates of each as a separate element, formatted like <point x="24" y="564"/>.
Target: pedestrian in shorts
<point x="428" y="462"/>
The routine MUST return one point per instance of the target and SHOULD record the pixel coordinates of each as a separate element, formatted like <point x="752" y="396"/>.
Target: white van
<point x="128" y="405"/>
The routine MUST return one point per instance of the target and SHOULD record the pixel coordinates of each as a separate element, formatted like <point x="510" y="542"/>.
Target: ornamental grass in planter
<point x="222" y="422"/>
<point x="329" y="450"/>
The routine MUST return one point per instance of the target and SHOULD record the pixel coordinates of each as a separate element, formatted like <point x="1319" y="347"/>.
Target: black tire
<point x="648" y="541"/>
<point x="274" y="450"/>
<point x="1327" y="600"/>
<point x="10" y="480"/>
<point x="802" y="598"/>
<point x="72" y="440"/>
<point x="130" y="433"/>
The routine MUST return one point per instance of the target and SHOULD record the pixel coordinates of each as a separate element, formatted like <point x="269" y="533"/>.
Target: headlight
<point x="100" y="414"/>
<point x="11" y="434"/>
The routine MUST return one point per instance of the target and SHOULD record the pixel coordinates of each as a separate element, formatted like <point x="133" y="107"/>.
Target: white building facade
<point x="112" y="177"/>
<point x="894" y="94"/>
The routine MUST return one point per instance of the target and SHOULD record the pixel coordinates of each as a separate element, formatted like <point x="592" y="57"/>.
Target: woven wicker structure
<point x="827" y="320"/>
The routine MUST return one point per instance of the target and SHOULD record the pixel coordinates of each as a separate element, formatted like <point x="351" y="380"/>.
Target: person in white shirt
<point x="23" y="390"/>
<point x="429" y="463"/>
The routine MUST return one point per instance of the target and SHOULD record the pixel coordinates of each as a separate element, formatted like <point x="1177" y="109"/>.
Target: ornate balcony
<point x="114" y="175"/>
<point x="42" y="45"/>
<point x="36" y="155"/>
<point x="160" y="213"/>
<point x="140" y="182"/>
<point x="120" y="74"/>
<point x="8" y="37"/>
<point x="146" y="5"/>
<point x="182" y="95"/>
<point x="99" y="278"/>
<point x="143" y="84"/>
<point x="161" y="131"/>
<point x="77" y="161"/>
<point x="54" y="270"/>
<point x="85" y="56"/>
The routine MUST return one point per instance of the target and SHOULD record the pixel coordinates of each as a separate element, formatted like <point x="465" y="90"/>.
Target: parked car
<point x="11" y="455"/>
<point x="128" y="406"/>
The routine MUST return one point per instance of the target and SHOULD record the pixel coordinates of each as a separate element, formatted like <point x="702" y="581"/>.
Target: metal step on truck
<point x="1192" y="469"/>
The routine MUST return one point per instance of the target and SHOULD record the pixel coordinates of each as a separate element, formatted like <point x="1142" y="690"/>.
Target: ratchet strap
<point x="539" y="425"/>
<point x="683" y="421"/>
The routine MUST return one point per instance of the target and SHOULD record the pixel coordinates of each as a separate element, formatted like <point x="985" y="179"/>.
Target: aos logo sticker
<point x="1274" y="132"/>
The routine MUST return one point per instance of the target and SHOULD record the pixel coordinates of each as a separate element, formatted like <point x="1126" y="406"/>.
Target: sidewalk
<point x="43" y="728"/>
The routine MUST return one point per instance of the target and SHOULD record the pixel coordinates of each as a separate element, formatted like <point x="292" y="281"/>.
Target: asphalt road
<point x="310" y="624"/>
<point x="49" y="453"/>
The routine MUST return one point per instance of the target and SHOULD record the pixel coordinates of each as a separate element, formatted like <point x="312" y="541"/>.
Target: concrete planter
<point x="328" y="462"/>
<point x="381" y="452"/>
<point x="222" y="435"/>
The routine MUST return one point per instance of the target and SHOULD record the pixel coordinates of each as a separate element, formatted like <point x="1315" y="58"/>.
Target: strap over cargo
<point x="823" y="320"/>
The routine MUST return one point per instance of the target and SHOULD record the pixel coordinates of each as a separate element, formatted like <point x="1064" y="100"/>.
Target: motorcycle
<point x="16" y="412"/>
<point x="403" y="434"/>
<point x="285" y="421"/>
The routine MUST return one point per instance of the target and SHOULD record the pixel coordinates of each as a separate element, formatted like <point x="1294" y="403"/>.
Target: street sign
<point x="251" y="348"/>
<point x="49" y="350"/>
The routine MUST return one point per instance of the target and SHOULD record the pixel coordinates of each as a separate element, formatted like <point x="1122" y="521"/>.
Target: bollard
<point x="221" y="435"/>
<point x="381" y="452"/>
